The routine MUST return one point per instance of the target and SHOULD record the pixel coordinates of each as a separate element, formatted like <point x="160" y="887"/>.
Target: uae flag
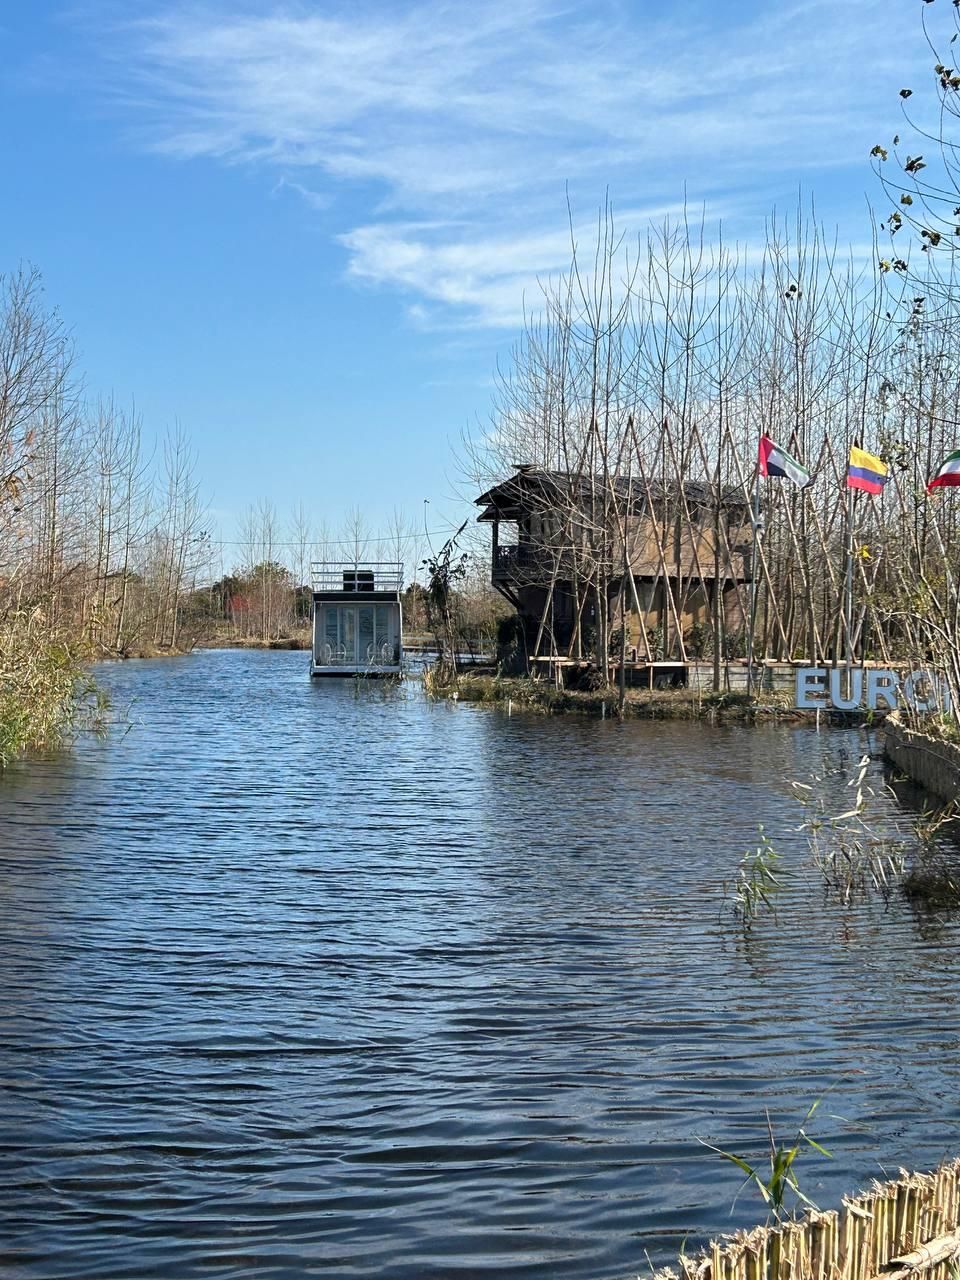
<point x="775" y="461"/>
<point x="948" y="476"/>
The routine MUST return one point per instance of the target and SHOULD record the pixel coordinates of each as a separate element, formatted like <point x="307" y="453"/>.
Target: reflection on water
<point x="317" y="978"/>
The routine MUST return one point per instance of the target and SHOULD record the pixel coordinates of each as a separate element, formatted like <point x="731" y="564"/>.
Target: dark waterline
<point x="316" y="979"/>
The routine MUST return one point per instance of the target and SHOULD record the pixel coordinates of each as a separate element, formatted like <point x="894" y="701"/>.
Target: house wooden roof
<point x="529" y="488"/>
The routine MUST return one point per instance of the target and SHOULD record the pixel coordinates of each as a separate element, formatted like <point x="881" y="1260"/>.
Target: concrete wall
<point x="928" y="761"/>
<point x="778" y="678"/>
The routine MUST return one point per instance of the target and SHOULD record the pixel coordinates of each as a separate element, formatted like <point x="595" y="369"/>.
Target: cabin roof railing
<point x="356" y="575"/>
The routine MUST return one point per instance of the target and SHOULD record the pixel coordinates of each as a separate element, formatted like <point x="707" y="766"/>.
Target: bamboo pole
<point x="907" y="1229"/>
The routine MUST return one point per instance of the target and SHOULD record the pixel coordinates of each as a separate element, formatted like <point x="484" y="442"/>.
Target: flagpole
<point x="848" y="607"/>
<point x="751" y="621"/>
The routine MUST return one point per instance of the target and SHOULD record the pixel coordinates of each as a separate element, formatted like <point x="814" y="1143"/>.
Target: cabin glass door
<point x="367" y="650"/>
<point x="327" y="648"/>
<point x="385" y="638"/>
<point x="361" y="635"/>
<point x="348" y="636"/>
<point x="340" y="637"/>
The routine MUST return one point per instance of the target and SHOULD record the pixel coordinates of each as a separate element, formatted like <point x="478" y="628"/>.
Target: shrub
<point x="44" y="691"/>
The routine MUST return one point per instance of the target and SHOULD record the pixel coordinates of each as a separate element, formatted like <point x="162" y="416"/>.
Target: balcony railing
<point x="520" y="562"/>
<point x="509" y="561"/>
<point x="529" y="563"/>
<point x="340" y="575"/>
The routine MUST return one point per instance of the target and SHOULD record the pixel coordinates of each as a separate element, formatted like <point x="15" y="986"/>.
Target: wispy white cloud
<point x="454" y="128"/>
<point x="456" y="266"/>
<point x="316" y="199"/>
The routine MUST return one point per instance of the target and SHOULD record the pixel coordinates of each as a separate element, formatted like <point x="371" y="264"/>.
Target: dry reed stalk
<point x="903" y="1229"/>
<point x="662" y="568"/>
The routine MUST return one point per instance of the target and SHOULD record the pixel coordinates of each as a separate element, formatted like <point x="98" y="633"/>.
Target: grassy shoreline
<point x="46" y="691"/>
<point x="641" y="704"/>
<point x="302" y="641"/>
<point x="248" y="642"/>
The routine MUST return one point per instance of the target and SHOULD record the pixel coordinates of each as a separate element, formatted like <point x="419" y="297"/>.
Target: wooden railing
<point x="508" y="561"/>
<point x="529" y="563"/>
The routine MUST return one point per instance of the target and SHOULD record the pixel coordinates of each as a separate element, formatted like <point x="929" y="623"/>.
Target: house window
<point x="646" y="594"/>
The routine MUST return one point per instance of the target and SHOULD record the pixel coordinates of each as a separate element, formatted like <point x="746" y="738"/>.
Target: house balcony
<point x="531" y="565"/>
<point x="513" y="564"/>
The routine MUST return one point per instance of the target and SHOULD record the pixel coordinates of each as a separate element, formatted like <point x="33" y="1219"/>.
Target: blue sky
<point x="306" y="230"/>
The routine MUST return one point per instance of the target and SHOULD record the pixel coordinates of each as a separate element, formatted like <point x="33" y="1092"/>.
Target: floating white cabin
<point x="357" y="619"/>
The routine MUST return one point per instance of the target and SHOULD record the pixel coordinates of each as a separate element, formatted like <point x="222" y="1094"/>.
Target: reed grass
<point x="779" y="1180"/>
<point x="850" y="850"/>
<point x="45" y="693"/>
<point x="440" y="679"/>
<point x="758" y="881"/>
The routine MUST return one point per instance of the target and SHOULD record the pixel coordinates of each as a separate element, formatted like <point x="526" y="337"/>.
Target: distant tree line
<point x="100" y="534"/>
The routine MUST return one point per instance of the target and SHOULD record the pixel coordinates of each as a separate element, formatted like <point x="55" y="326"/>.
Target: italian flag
<point x="775" y="461"/>
<point x="948" y="475"/>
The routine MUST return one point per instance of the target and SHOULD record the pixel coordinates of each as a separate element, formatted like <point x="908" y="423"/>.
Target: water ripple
<point x="307" y="979"/>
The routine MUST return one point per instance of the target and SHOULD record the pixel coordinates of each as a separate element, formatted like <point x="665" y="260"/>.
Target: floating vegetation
<point x="932" y="881"/>
<point x="934" y="884"/>
<point x="851" y="850"/>
<point x="758" y="880"/>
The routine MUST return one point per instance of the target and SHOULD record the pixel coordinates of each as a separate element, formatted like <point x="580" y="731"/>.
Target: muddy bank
<point x="234" y="642"/>
<point x="147" y="651"/>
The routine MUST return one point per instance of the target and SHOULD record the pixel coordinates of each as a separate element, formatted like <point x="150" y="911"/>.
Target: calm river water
<point x="299" y="979"/>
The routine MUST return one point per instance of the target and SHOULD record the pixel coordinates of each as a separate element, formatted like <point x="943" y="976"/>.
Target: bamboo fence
<point x="908" y="1229"/>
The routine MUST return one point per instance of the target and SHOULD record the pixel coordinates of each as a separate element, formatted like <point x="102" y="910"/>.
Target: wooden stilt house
<point x="668" y="560"/>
